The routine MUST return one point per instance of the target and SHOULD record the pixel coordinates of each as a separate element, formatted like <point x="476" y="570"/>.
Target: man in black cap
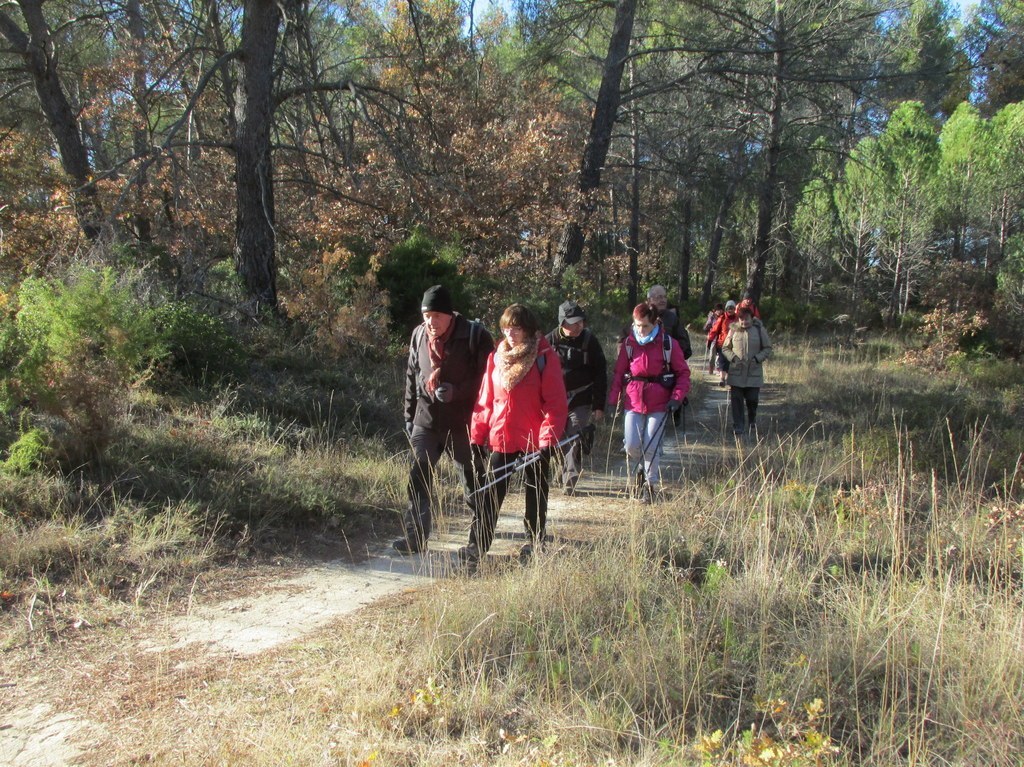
<point x="447" y="358"/>
<point x="586" y="382"/>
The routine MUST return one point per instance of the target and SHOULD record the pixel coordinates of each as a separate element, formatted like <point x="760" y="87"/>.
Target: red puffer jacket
<point x="721" y="327"/>
<point x="529" y="417"/>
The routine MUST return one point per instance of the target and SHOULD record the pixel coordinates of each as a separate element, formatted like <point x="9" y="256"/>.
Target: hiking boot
<point x="405" y="546"/>
<point x="532" y="549"/>
<point x="469" y="555"/>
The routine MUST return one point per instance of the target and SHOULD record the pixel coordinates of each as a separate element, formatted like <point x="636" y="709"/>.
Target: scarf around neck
<point x="644" y="340"/>
<point x="435" y="350"/>
<point x="514" y="364"/>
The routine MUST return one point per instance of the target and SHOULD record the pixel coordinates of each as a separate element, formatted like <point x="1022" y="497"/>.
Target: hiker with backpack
<point x="447" y="358"/>
<point x="711" y="353"/>
<point x="746" y="347"/>
<point x="653" y="378"/>
<point x="717" y="336"/>
<point x="521" y="409"/>
<point x="668" y="316"/>
<point x="584" y="372"/>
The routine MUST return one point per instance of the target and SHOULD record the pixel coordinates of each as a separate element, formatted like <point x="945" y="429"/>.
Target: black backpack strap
<point x="475" y="328"/>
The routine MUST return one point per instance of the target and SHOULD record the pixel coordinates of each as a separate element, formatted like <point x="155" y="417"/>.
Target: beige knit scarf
<point x="514" y="363"/>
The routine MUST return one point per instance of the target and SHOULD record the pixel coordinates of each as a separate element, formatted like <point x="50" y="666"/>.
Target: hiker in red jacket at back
<point x="748" y="303"/>
<point x="718" y="333"/>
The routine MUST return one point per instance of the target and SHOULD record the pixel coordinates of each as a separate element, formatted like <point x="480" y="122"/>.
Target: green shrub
<point x="81" y="346"/>
<point x="412" y="267"/>
<point x="28" y="453"/>
<point x="200" y="346"/>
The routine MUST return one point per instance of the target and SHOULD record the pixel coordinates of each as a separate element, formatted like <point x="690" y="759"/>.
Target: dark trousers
<point x="743" y="400"/>
<point x="572" y="457"/>
<point x="427" y="447"/>
<point x="485" y="518"/>
<point x="723" y="363"/>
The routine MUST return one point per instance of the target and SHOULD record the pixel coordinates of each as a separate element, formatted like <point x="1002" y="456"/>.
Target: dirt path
<point x="278" y="608"/>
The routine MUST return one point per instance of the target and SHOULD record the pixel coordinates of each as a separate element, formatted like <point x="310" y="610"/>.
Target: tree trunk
<point x="37" y="51"/>
<point x="686" y="255"/>
<point x="254" y="170"/>
<point x="140" y="138"/>
<point x="609" y="96"/>
<point x="715" y="246"/>
<point x="634" y="205"/>
<point x="766" y="198"/>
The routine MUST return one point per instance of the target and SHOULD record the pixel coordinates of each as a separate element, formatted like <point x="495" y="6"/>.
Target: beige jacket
<point x="746" y="350"/>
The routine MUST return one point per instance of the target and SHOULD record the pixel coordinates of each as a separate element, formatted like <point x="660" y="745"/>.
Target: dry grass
<point x="848" y="592"/>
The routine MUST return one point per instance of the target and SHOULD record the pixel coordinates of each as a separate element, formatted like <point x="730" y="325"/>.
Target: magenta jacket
<point x="648" y="362"/>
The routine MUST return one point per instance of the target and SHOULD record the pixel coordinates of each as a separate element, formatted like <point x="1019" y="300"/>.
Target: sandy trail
<point x="284" y="608"/>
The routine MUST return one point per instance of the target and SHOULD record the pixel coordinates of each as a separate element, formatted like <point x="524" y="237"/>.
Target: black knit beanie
<point x="437" y="299"/>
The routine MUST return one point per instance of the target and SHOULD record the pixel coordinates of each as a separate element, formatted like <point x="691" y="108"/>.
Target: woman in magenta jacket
<point x="652" y="375"/>
<point x="521" y="409"/>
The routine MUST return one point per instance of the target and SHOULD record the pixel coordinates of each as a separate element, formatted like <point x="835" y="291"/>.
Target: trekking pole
<point x="659" y="435"/>
<point x="608" y="452"/>
<point x="530" y="458"/>
<point x="655" y="440"/>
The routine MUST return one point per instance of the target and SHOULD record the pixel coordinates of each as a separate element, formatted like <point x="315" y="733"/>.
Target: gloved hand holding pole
<point x="530" y="458"/>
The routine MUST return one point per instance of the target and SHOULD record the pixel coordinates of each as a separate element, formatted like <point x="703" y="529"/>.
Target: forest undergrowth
<point x="848" y="591"/>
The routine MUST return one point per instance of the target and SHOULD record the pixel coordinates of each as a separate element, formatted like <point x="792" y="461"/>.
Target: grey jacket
<point x="746" y="350"/>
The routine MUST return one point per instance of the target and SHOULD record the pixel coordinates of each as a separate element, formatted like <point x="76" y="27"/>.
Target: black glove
<point x="674" y="405"/>
<point x="444" y="392"/>
<point x="546" y="454"/>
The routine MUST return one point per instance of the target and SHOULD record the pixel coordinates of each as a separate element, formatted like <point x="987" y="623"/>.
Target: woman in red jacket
<point x="652" y="375"/>
<point x="521" y="409"/>
<point x="718" y="333"/>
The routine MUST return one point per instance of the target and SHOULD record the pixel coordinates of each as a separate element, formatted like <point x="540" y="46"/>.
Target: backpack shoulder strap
<point x="475" y="329"/>
<point x="417" y="338"/>
<point x="666" y="348"/>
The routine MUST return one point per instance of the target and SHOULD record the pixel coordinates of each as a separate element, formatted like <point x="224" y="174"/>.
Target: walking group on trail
<point x="511" y="407"/>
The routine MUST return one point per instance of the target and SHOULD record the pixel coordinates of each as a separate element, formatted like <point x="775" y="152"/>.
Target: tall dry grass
<point x="847" y="592"/>
<point x="200" y="478"/>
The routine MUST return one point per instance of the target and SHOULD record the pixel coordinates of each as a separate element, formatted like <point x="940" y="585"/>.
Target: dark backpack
<point x="584" y="347"/>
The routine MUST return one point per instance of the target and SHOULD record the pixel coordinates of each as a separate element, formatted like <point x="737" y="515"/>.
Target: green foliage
<point x="1010" y="297"/>
<point x="81" y="346"/>
<point x="200" y="346"/>
<point x="28" y="453"/>
<point x="413" y="266"/>
<point x="787" y="314"/>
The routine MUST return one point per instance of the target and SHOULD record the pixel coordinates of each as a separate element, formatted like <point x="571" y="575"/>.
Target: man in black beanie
<point x="447" y="358"/>
<point x="586" y="383"/>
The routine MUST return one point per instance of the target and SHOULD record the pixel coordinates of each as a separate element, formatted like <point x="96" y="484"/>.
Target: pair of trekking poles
<point x="654" y="441"/>
<point x="531" y="458"/>
<point x="587" y="431"/>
